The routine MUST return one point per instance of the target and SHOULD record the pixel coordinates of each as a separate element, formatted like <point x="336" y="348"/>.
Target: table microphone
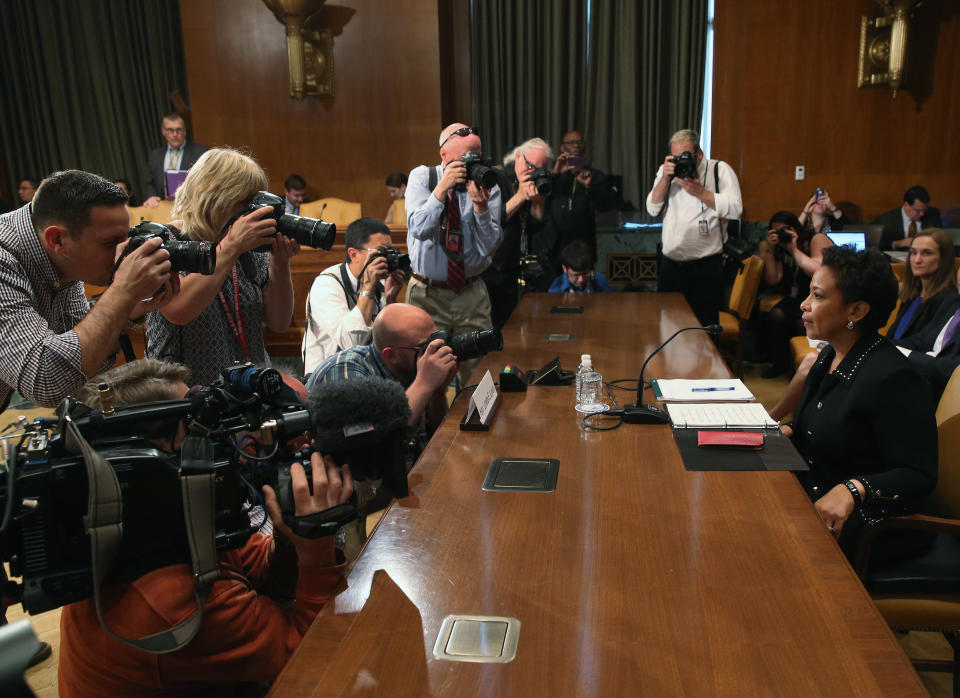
<point x="651" y="414"/>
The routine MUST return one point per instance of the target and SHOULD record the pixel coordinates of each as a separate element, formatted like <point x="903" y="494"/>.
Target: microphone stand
<point x="651" y="414"/>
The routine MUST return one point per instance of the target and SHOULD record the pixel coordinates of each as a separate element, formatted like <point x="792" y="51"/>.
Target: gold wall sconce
<point x="883" y="45"/>
<point x="309" y="51"/>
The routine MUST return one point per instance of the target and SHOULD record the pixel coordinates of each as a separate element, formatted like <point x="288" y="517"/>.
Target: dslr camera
<point x="542" y="179"/>
<point x="395" y="260"/>
<point x="784" y="236"/>
<point x="185" y="255"/>
<point x="686" y="165"/>
<point x="479" y="171"/>
<point x="311" y="232"/>
<point x="469" y="345"/>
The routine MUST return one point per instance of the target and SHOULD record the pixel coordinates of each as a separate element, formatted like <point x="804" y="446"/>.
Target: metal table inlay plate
<point x="491" y="639"/>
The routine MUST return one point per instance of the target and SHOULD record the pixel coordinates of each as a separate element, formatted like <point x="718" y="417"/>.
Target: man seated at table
<point x="345" y="298"/>
<point x="244" y="636"/>
<point x="900" y="225"/>
<point x="578" y="274"/>
<point x="400" y="352"/>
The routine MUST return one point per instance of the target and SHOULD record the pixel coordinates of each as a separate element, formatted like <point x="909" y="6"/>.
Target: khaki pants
<point x="461" y="312"/>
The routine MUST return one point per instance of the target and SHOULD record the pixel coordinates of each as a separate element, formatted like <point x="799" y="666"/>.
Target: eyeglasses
<point x="579" y="142"/>
<point x="175" y="130"/>
<point x="465" y="131"/>
<point x="586" y="275"/>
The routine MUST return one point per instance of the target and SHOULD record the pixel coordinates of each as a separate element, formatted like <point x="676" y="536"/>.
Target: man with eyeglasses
<point x="579" y="192"/>
<point x="178" y="154"/>
<point x="345" y="299"/>
<point x="400" y="351"/>
<point x="453" y="229"/>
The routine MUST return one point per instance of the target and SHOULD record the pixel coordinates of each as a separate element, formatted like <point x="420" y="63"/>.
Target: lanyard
<point x="236" y="325"/>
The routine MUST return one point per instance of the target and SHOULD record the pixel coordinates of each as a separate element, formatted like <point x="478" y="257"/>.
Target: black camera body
<point x="470" y="345"/>
<point x="395" y="260"/>
<point x="479" y="171"/>
<point x="43" y="494"/>
<point x="784" y="236"/>
<point x="542" y="179"/>
<point x="686" y="165"/>
<point x="311" y="232"/>
<point x="185" y="255"/>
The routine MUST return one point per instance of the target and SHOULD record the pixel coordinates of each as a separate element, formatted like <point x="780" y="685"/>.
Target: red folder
<point x="730" y="439"/>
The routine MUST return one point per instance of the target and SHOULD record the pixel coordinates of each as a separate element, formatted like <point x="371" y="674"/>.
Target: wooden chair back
<point x="745" y="287"/>
<point x="337" y="211"/>
<point x="947" y="493"/>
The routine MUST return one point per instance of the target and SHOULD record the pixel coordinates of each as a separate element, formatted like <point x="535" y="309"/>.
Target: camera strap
<point x="235" y="322"/>
<point x="104" y="522"/>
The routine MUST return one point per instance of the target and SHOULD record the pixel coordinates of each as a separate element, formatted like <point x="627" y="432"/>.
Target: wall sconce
<point x="309" y="52"/>
<point x="883" y="45"/>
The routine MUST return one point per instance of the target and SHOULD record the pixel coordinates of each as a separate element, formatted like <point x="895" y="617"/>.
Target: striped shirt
<point x="40" y="354"/>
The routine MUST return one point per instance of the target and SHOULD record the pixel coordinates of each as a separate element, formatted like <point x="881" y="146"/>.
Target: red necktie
<point x="456" y="274"/>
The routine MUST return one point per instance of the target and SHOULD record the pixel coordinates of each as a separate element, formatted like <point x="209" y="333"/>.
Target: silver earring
<point x="849" y="324"/>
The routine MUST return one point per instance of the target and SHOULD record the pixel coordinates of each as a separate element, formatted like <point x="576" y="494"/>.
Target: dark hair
<point x="396" y="179"/>
<point x="914" y="193"/>
<point x="294" y="181"/>
<point x="67" y="197"/>
<point x="577" y="256"/>
<point x="359" y="232"/>
<point x="34" y="182"/>
<point x="172" y="116"/>
<point x="864" y="276"/>
<point x="788" y="219"/>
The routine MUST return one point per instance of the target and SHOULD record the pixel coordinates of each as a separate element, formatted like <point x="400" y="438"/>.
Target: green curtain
<point x="85" y="84"/>
<point x="528" y="70"/>
<point x="642" y="81"/>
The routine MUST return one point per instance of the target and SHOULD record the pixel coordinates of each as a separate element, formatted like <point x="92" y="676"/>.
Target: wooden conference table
<point x="635" y="577"/>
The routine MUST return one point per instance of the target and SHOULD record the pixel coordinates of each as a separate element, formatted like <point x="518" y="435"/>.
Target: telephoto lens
<point x="311" y="232"/>
<point x="473" y="345"/>
<point x="189" y="256"/>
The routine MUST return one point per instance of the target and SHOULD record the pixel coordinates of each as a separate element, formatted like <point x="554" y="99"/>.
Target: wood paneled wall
<point x="385" y="115"/>
<point x="785" y="94"/>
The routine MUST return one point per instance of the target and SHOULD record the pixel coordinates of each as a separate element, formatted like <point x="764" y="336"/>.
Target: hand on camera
<point x="454" y="173"/>
<point x="437" y="365"/>
<point x="283" y="248"/>
<point x="478" y="195"/>
<point x="527" y="189"/>
<point x="692" y="186"/>
<point x="376" y="271"/>
<point x="585" y="177"/>
<point x="145" y="270"/>
<point x="669" y="167"/>
<point x="395" y="282"/>
<point x="331" y="487"/>
<point x="251" y="231"/>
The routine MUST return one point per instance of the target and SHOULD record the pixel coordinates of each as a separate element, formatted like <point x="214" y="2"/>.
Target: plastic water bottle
<point x="589" y="387"/>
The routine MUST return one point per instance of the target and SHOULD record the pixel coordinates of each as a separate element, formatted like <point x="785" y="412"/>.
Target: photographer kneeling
<point x="244" y="636"/>
<point x="218" y="319"/>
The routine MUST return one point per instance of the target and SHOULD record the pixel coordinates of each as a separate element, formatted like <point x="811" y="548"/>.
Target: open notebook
<point x="720" y="415"/>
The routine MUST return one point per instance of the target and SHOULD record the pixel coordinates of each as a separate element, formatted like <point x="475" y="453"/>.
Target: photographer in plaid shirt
<point x="51" y="340"/>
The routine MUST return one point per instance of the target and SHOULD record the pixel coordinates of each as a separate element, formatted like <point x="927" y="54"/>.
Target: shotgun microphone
<point x="651" y="414"/>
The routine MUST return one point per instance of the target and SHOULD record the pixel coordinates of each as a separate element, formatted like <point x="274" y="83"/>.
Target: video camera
<point x="185" y="255"/>
<point x="686" y="165"/>
<point x="311" y="232"/>
<point x="252" y="425"/>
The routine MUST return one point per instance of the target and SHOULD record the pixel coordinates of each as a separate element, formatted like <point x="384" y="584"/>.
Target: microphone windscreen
<point x="356" y="413"/>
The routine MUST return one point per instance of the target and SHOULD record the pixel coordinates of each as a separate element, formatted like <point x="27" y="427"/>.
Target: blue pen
<point x="709" y="390"/>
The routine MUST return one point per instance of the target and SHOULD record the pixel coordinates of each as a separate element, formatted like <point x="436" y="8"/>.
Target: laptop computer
<point x="855" y="239"/>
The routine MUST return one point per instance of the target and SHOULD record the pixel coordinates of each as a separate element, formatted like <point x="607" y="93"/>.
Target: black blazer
<point x="892" y="223"/>
<point x="936" y="369"/>
<point x="873" y="418"/>
<point x="155" y="179"/>
<point x="926" y="313"/>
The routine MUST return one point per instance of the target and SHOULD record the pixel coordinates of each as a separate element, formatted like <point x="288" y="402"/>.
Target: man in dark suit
<point x="178" y="154"/>
<point x="902" y="224"/>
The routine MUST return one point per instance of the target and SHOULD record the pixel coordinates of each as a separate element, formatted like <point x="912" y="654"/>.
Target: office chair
<point x="924" y="593"/>
<point x="742" y="297"/>
<point x="337" y="211"/>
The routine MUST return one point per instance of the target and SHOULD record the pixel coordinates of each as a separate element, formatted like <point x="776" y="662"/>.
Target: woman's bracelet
<point x="855" y="491"/>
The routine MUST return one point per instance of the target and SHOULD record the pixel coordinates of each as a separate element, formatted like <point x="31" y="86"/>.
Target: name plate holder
<point x="482" y="407"/>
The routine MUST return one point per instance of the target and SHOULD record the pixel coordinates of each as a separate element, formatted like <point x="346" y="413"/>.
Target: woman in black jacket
<point x="929" y="284"/>
<point x="865" y="423"/>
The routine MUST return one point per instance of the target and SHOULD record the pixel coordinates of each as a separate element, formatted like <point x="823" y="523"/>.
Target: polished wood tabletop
<point x="634" y="578"/>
